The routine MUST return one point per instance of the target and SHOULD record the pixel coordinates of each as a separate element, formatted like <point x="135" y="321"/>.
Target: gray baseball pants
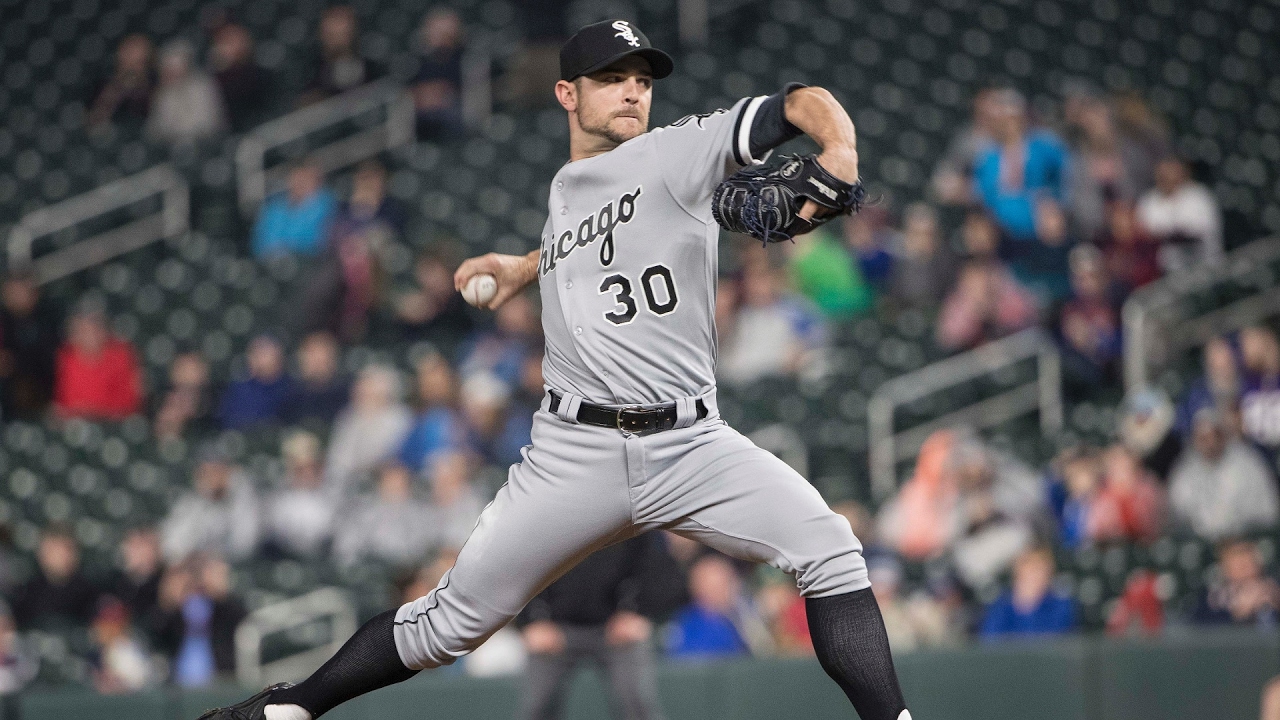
<point x="580" y="488"/>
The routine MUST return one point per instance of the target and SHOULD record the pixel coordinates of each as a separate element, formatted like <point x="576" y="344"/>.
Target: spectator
<point x="772" y="332"/>
<point x="1030" y="607"/>
<point x="259" y="395"/>
<point x="1043" y="265"/>
<point x="869" y="239"/>
<point x="1145" y="131"/>
<point x="28" y="348"/>
<point x="715" y="623"/>
<point x="58" y="595"/>
<point x="1019" y="169"/>
<point x="97" y="375"/>
<point x="825" y="274"/>
<point x="220" y="515"/>
<point x="18" y="664"/>
<point x="1132" y="255"/>
<point x="783" y="611"/>
<point x="318" y="392"/>
<point x="1107" y="164"/>
<point x="299" y="517"/>
<point x="345" y="288"/>
<point x="296" y="221"/>
<point x="433" y="308"/>
<point x="1146" y="428"/>
<point x="201" y="616"/>
<point x="1220" y="386"/>
<point x="601" y="611"/>
<point x="502" y="351"/>
<point x="245" y="85"/>
<point x="1074" y="488"/>
<point x="913" y="622"/>
<point x="188" y="401"/>
<point x="455" y="502"/>
<point x="926" y="265"/>
<point x="986" y="303"/>
<point x="952" y="181"/>
<point x="438" y="426"/>
<point x="979" y="236"/>
<point x="1184" y="216"/>
<point x="187" y="104"/>
<point x="437" y="88"/>
<point x="494" y="431"/>
<point x="1260" y="401"/>
<point x="1239" y="593"/>
<point x="368" y="431"/>
<point x="1130" y="506"/>
<point x="137" y="581"/>
<point x="1089" y="323"/>
<point x="339" y="67"/>
<point x="1222" y="486"/>
<point x="1139" y="605"/>
<point x="387" y="527"/>
<point x="119" y="660"/>
<point x="125" y="96"/>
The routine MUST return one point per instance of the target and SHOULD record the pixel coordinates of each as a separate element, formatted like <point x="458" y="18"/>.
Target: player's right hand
<point x="513" y="273"/>
<point x="544" y="638"/>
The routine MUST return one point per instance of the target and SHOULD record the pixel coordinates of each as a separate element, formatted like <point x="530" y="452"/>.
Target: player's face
<point x="614" y="103"/>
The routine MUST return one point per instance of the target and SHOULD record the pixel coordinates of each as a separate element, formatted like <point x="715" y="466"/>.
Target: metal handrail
<point x="172" y="220"/>
<point x="1154" y="309"/>
<point x="285" y="615"/>
<point x="1044" y="393"/>
<point x="255" y="180"/>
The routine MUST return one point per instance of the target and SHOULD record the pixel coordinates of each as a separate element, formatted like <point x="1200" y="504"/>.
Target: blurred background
<point x="243" y="408"/>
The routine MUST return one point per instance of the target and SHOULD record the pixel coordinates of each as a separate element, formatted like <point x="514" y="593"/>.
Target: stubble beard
<point x="604" y="128"/>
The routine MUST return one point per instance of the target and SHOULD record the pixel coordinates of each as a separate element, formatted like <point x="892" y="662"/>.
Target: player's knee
<point x="441" y="627"/>
<point x="838" y="566"/>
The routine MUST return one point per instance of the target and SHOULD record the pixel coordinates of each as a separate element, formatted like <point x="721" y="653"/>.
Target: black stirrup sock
<point x="366" y="662"/>
<point x="851" y="643"/>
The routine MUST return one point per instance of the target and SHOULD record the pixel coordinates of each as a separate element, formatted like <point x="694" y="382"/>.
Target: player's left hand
<point x="627" y="628"/>
<point x="839" y="162"/>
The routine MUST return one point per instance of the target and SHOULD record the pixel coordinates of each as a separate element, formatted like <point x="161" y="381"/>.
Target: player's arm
<point x="816" y="113"/>
<point x="513" y="272"/>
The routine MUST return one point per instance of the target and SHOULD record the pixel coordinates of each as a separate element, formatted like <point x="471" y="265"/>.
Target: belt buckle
<point x="621" y="419"/>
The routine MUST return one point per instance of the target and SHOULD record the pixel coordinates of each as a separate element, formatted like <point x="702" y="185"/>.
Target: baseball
<point x="480" y="289"/>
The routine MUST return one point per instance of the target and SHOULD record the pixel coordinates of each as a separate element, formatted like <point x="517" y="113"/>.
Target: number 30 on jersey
<point x="659" y="294"/>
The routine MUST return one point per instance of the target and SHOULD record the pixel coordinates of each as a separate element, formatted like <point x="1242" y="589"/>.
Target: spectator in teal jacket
<point x="1019" y="168"/>
<point x="296" y="222"/>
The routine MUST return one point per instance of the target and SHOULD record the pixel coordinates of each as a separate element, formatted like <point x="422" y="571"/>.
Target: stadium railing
<point x="300" y="616"/>
<point x="1043" y="392"/>
<point x="1198" y="307"/>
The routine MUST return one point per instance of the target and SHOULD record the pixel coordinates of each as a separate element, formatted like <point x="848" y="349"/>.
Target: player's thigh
<point x="555" y="509"/>
<point x="747" y="503"/>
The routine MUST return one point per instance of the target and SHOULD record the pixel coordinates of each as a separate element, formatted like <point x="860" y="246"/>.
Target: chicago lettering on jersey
<point x="597" y="226"/>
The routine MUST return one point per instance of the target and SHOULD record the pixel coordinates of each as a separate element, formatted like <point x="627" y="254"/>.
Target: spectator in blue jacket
<point x="1030" y="607"/>
<point x="259" y="396"/>
<point x="1221" y="384"/>
<point x="711" y="625"/>
<point x="1021" y="167"/>
<point x="296" y="222"/>
<point x="438" y="426"/>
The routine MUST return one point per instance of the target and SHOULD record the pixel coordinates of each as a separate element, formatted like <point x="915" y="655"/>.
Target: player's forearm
<point x="817" y="114"/>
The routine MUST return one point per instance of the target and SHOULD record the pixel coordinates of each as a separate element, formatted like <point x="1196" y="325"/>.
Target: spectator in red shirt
<point x="97" y="374"/>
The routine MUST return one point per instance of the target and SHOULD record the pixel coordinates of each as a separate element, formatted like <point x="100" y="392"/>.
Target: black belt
<point x="636" y="420"/>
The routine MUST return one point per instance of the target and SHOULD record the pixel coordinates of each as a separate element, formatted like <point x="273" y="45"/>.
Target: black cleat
<point x="251" y="709"/>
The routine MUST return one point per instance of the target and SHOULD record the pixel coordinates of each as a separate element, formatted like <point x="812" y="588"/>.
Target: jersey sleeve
<point x="696" y="152"/>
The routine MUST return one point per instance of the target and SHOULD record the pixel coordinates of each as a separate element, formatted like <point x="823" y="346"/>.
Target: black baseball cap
<point x="597" y="46"/>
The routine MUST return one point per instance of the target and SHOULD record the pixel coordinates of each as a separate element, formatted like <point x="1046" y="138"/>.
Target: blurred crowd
<point x="1047" y="218"/>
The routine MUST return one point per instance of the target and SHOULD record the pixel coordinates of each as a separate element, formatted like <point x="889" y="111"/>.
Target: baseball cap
<point x="601" y="44"/>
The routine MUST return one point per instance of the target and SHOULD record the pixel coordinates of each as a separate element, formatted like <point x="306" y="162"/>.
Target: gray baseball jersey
<point x="627" y="274"/>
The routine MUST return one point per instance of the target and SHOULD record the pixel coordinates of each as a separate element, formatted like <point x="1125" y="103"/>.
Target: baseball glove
<point x="765" y="202"/>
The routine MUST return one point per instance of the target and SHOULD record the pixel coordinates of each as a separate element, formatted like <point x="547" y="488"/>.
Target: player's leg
<point x="747" y="503"/>
<point x="559" y="505"/>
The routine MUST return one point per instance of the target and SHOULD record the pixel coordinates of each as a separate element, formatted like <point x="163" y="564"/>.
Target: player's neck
<point x="583" y="145"/>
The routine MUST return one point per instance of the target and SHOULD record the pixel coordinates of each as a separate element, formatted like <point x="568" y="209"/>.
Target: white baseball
<point x="480" y="289"/>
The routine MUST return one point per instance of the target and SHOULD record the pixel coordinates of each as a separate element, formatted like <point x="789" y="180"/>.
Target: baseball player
<point x="628" y="438"/>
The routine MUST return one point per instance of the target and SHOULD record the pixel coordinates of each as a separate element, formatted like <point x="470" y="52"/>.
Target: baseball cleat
<point x="251" y="709"/>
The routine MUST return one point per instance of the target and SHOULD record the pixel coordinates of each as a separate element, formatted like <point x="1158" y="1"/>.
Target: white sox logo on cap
<point x="625" y="32"/>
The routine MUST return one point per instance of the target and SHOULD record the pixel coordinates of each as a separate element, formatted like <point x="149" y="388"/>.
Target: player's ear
<point x="567" y="94"/>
